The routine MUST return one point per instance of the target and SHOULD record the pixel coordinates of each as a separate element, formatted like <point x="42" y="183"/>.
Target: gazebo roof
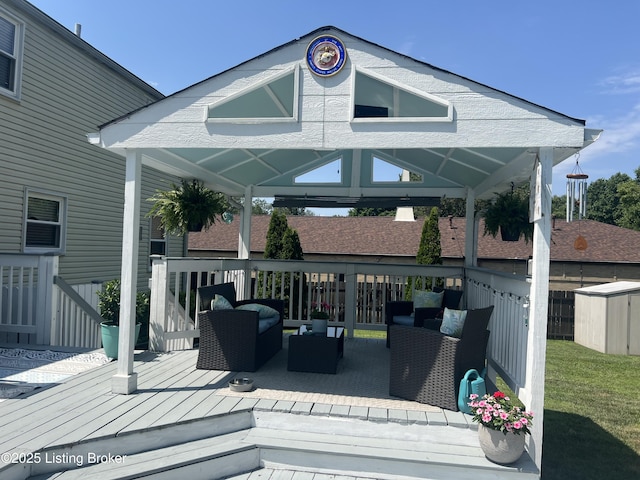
<point x="284" y="125"/>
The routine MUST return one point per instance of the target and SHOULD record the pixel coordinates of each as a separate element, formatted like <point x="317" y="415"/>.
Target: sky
<point x="578" y="57"/>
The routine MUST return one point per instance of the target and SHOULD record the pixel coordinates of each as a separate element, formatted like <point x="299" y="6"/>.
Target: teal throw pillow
<point x="427" y="299"/>
<point x="264" y="311"/>
<point x="452" y="322"/>
<point x="220" y="303"/>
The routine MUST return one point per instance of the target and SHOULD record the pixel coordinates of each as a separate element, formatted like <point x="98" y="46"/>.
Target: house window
<point x="45" y="223"/>
<point x="10" y="55"/>
<point x="157" y="238"/>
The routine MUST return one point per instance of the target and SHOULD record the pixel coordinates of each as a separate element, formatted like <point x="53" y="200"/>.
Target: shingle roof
<point x="387" y="237"/>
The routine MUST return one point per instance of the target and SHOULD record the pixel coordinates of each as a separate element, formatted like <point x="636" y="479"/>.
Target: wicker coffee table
<point x="315" y="353"/>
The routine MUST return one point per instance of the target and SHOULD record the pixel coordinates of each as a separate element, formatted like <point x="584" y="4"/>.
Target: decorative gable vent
<point x="380" y="99"/>
<point x="275" y="99"/>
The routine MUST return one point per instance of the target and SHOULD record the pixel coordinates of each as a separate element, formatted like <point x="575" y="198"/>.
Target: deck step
<point x="221" y="456"/>
<point x="273" y="451"/>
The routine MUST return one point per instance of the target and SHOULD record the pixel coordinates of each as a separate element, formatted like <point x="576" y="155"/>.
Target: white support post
<point x="244" y="240"/>
<point x="350" y="286"/>
<point x="125" y="381"/>
<point x="159" y="301"/>
<point x="533" y="392"/>
<point x="47" y="269"/>
<point x="471" y="227"/>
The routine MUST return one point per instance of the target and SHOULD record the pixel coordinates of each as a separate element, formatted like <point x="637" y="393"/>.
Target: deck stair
<point x="274" y="444"/>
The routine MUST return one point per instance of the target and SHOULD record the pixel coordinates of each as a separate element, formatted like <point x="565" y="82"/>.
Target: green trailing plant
<point x="188" y="207"/>
<point x="509" y="216"/>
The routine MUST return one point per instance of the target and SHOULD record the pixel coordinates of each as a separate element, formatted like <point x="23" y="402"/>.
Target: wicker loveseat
<point x="237" y="340"/>
<point x="400" y="311"/>
<point x="426" y="366"/>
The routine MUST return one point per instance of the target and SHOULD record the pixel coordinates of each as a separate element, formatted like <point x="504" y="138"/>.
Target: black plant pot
<point x="509" y="235"/>
<point x="195" y="227"/>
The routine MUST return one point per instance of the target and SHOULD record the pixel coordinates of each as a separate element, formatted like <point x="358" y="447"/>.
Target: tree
<point x="275" y="234"/>
<point x="603" y="199"/>
<point x="260" y="206"/>
<point x="429" y="252"/>
<point x="296" y="211"/>
<point x="371" y="212"/>
<point x="559" y="206"/>
<point x="283" y="243"/>
<point x="291" y="246"/>
<point x="629" y="195"/>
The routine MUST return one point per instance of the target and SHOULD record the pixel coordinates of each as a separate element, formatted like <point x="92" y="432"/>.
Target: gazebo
<point x="331" y="99"/>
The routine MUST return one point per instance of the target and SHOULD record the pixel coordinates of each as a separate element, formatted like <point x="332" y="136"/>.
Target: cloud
<point x="622" y="84"/>
<point x="615" y="151"/>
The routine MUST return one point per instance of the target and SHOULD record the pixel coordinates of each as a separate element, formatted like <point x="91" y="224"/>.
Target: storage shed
<point x="608" y="317"/>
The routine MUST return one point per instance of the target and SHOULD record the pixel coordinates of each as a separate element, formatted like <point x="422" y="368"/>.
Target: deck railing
<point x="509" y="294"/>
<point x="37" y="307"/>
<point x="354" y="294"/>
<point x="76" y="321"/>
<point x="26" y="284"/>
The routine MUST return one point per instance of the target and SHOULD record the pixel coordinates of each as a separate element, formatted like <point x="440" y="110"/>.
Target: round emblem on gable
<point x="326" y="55"/>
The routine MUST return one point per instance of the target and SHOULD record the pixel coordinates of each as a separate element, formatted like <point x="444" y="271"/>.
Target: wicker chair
<point x="230" y="339"/>
<point x="427" y="366"/>
<point x="423" y="317"/>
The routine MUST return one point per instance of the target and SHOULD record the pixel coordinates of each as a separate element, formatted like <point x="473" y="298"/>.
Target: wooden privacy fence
<point x="561" y="315"/>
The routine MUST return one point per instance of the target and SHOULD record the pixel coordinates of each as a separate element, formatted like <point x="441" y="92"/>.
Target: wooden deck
<point x="184" y="421"/>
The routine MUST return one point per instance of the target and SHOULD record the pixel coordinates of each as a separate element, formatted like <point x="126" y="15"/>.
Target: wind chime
<point x="577" y="197"/>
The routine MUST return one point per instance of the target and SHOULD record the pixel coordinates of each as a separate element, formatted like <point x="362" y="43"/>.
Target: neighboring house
<point x="62" y="198"/>
<point x="611" y="253"/>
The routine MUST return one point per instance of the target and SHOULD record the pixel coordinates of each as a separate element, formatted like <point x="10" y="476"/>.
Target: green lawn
<point x="592" y="414"/>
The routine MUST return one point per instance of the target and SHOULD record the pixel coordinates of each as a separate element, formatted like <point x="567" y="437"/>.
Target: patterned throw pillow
<point x="427" y="299"/>
<point x="452" y="322"/>
<point x="264" y="311"/>
<point x="220" y="303"/>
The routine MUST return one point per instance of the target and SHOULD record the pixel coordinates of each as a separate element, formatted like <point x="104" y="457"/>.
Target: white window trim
<point x="62" y="200"/>
<point x="406" y="88"/>
<point x="18" y="55"/>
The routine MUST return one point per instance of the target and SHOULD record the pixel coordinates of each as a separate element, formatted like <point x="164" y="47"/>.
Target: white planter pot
<point x="500" y="448"/>
<point x="319" y="326"/>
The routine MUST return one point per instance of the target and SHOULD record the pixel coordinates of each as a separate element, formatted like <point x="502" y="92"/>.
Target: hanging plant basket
<point x="509" y="235"/>
<point x="188" y="207"/>
<point x="509" y="216"/>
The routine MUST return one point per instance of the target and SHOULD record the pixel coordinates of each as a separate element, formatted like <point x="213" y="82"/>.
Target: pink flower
<point x="517" y="425"/>
<point x="503" y="415"/>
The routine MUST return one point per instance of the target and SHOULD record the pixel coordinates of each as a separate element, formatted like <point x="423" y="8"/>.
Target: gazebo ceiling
<point x="276" y="126"/>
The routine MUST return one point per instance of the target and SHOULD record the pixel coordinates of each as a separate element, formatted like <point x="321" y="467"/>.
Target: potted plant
<point x="109" y="305"/>
<point x="502" y="426"/>
<point x="188" y="207"/>
<point x="319" y="318"/>
<point x="509" y="215"/>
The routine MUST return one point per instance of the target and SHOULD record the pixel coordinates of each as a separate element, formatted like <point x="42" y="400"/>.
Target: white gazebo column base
<point x="124" y="384"/>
